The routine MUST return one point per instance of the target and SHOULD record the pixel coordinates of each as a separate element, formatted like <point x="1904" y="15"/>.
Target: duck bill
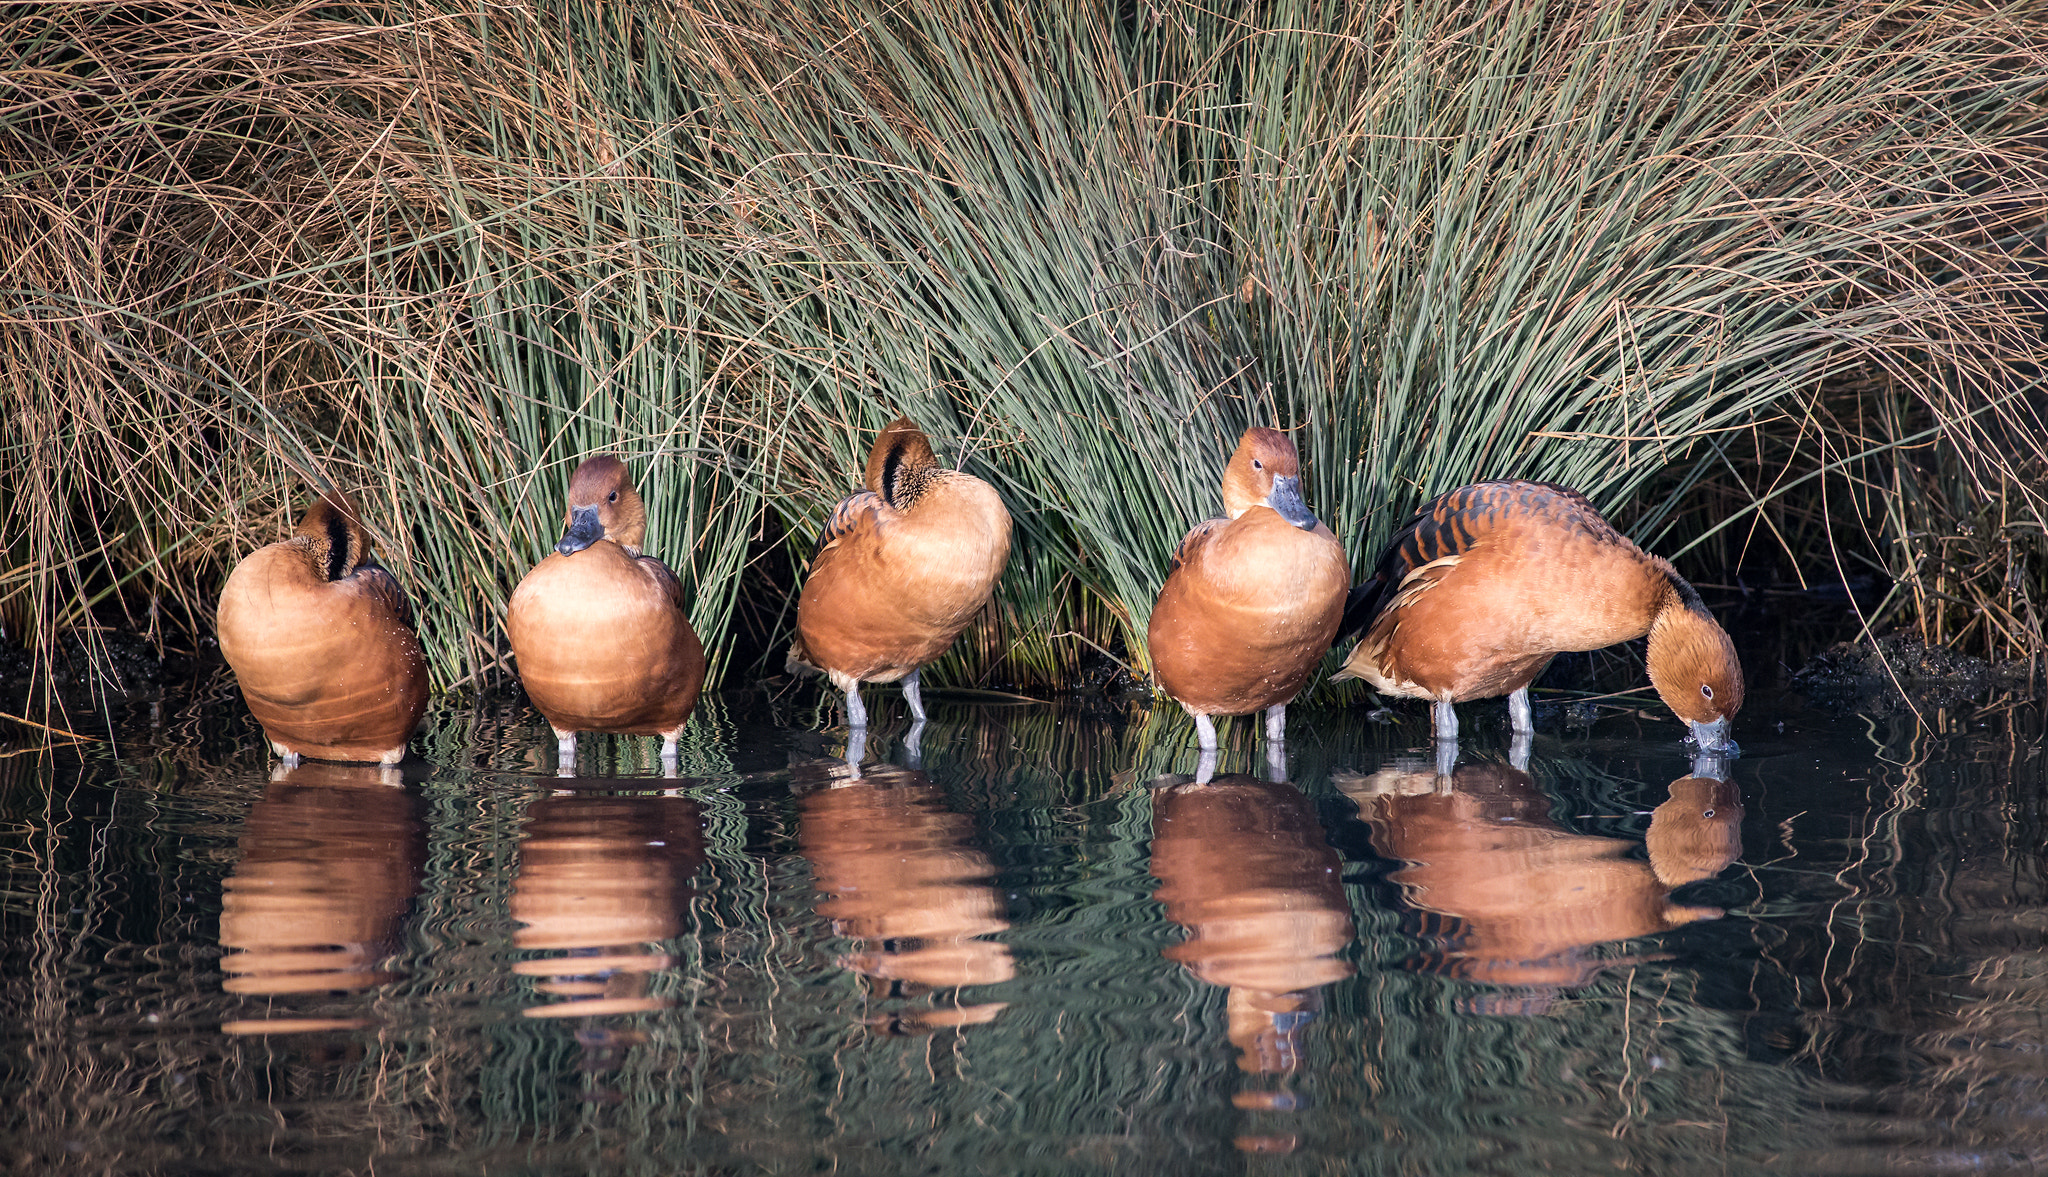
<point x="1712" y="738"/>
<point x="584" y="530"/>
<point x="1286" y="499"/>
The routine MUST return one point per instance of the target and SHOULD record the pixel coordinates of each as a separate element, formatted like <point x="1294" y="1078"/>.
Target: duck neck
<point x="333" y="547"/>
<point x="904" y="484"/>
<point x="1674" y="600"/>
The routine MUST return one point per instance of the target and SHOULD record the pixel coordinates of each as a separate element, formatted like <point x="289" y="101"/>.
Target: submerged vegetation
<point x="1761" y="278"/>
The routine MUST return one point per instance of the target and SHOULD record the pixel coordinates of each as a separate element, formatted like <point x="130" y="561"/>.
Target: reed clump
<point x="1690" y="260"/>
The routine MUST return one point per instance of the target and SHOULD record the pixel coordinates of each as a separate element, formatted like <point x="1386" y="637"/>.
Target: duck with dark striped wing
<point x="320" y="638"/>
<point x="900" y="569"/>
<point x="1486" y="584"/>
<point x="1253" y="599"/>
<point x="600" y="630"/>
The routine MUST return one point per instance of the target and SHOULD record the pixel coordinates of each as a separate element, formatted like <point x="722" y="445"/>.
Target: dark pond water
<point x="1037" y="952"/>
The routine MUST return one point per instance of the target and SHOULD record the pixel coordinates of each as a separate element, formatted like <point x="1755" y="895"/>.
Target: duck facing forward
<point x="599" y="630"/>
<point x="1489" y="582"/>
<point x="899" y="570"/>
<point x="320" y="638"/>
<point x="1253" y="599"/>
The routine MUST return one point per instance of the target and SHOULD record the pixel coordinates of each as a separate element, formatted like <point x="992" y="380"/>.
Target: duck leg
<point x="913" y="696"/>
<point x="1276" y="742"/>
<point x="1446" y="721"/>
<point x="856" y="712"/>
<point x="1519" y="718"/>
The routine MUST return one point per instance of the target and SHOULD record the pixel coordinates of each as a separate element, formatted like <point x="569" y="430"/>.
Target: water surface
<point x="1035" y="945"/>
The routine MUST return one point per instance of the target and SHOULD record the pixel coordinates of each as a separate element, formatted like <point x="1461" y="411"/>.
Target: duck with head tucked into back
<point x="1489" y="582"/>
<point x="599" y="629"/>
<point x="320" y="638"/>
<point x="899" y="570"/>
<point x="1253" y="599"/>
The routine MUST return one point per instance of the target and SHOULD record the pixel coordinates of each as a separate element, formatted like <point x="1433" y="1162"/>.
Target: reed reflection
<point x="1523" y="902"/>
<point x="602" y="877"/>
<point x="1243" y="865"/>
<point x="331" y="857"/>
<point x="899" y="874"/>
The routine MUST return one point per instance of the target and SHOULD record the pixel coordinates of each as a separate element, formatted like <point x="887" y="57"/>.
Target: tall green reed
<point x="433" y="253"/>
<point x="1565" y="242"/>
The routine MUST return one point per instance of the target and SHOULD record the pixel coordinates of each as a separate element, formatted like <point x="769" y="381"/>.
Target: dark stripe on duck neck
<point x="1688" y="596"/>
<point x="904" y="482"/>
<point x="337" y="545"/>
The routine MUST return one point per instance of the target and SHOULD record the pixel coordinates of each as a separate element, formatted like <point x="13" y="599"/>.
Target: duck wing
<point x="1192" y="542"/>
<point x="375" y="581"/>
<point x="664" y="576"/>
<point x="848" y="515"/>
<point x="1449" y="527"/>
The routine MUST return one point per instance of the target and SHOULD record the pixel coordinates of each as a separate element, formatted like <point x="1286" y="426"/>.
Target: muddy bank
<point x="1899" y="672"/>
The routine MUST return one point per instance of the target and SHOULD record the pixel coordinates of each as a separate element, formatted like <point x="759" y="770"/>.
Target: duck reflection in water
<point x="601" y="877"/>
<point x="1244" y="866"/>
<point x="331" y="857"/>
<point x="1518" y="902"/>
<point x="898" y="874"/>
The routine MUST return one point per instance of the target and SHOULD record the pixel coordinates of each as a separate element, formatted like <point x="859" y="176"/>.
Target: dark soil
<point x="101" y="662"/>
<point x="1899" y="671"/>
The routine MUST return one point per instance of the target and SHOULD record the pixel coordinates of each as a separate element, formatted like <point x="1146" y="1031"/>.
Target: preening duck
<point x="599" y="629"/>
<point x="320" y="638"/>
<point x="899" y="570"/>
<point x="1253" y="599"/>
<point x="1489" y="582"/>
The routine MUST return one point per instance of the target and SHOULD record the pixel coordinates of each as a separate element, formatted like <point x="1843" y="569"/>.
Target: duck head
<point x="901" y="464"/>
<point x="338" y="542"/>
<point x="1266" y="472"/>
<point x="603" y="505"/>
<point x="1693" y="667"/>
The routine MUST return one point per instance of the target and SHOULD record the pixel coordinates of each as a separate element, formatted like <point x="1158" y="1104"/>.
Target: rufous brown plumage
<point x="899" y="570"/>
<point x="1489" y="582"/>
<point x="1253" y="598"/>
<point x="600" y="631"/>
<point x="320" y="638"/>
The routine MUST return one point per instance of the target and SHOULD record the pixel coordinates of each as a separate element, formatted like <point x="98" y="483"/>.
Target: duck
<point x="899" y="570"/>
<point x="598" y="628"/>
<point x="1253" y="599"/>
<point x="1487" y="583"/>
<point x="320" y="638"/>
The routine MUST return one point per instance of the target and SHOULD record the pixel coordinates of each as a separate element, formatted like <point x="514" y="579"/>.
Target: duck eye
<point x="1706" y="691"/>
<point x="614" y="497"/>
<point x="1258" y="465"/>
